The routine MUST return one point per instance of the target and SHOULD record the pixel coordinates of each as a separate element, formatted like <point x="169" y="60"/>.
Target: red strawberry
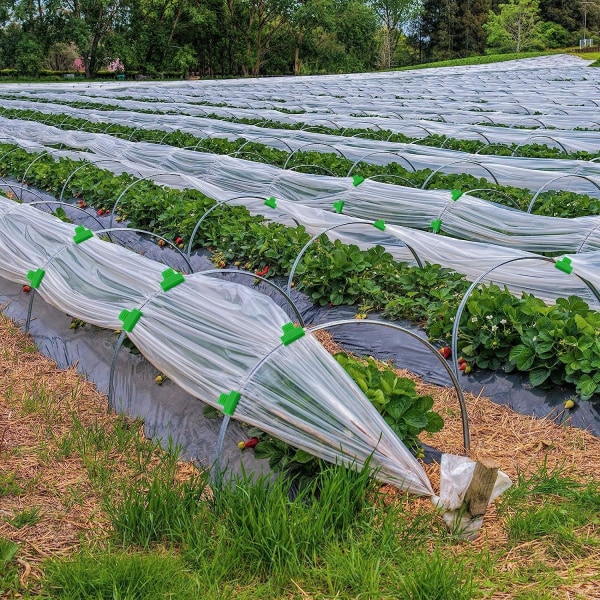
<point x="26" y="289"/>
<point x="445" y="352"/>
<point x="461" y="360"/>
<point x="249" y="443"/>
<point x="178" y="240"/>
<point x="99" y="212"/>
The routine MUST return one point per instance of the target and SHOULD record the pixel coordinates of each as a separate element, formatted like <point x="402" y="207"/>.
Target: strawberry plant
<point x="396" y="399"/>
<point x="564" y="203"/>
<point x="557" y="345"/>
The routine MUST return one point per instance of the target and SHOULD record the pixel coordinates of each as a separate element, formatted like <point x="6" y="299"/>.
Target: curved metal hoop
<point x="301" y="149"/>
<point x="266" y="358"/>
<point x="320" y="167"/>
<point x="535" y="197"/>
<point x="45" y="153"/>
<point x="406" y="182"/>
<point x="256" y="141"/>
<point x="20" y="187"/>
<point x="306" y="126"/>
<point x="287" y="297"/>
<point x="499" y="192"/>
<point x="430" y="347"/>
<point x="549" y="137"/>
<point x="362" y="159"/>
<point x="318" y="235"/>
<point x="527" y="118"/>
<point x="494" y="145"/>
<point x="146" y="178"/>
<point x="476" y="282"/>
<point x="209" y="210"/>
<point x="60" y="202"/>
<point x="364" y="131"/>
<point x="83" y="166"/>
<point x="466" y="129"/>
<point x="416" y="141"/>
<point x="457" y="162"/>
<point x="107" y="230"/>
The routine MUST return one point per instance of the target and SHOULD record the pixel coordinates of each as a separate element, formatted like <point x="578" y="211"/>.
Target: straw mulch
<point x="70" y="510"/>
<point x="519" y="444"/>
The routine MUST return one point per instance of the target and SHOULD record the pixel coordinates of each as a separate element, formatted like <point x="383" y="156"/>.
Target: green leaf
<point x="397" y="406"/>
<point x="377" y="397"/>
<point x="586" y="387"/>
<point x="302" y="456"/>
<point x="415" y="418"/>
<point x="538" y="376"/>
<point x="522" y="356"/>
<point x="434" y="422"/>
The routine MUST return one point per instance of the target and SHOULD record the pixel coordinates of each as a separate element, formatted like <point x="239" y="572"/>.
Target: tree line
<point x="230" y="38"/>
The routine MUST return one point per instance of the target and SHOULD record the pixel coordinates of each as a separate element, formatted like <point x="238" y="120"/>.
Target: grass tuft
<point x="120" y="576"/>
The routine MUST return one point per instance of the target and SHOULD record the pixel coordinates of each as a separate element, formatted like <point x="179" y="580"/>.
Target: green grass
<point x="476" y="60"/>
<point x="26" y="518"/>
<point x="9" y="574"/>
<point x="120" y="575"/>
<point x="249" y="538"/>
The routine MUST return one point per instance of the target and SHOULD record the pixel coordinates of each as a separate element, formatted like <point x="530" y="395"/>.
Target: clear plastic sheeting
<point x="545" y="92"/>
<point x="225" y="177"/>
<point x="210" y="337"/>
<point x="530" y="173"/>
<point x="533" y="276"/>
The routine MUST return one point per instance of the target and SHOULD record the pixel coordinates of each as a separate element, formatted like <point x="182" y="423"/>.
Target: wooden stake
<point x="479" y="492"/>
<point x="469" y="518"/>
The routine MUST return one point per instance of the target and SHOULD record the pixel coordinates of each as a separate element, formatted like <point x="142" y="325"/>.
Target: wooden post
<point x="477" y="497"/>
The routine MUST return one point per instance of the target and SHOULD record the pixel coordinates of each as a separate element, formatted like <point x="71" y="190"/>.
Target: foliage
<point x="252" y="37"/>
<point x="516" y="27"/>
<point x="396" y="399"/>
<point x="557" y="344"/>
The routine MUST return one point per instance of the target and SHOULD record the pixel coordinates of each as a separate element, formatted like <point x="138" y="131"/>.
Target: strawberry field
<point x="391" y="193"/>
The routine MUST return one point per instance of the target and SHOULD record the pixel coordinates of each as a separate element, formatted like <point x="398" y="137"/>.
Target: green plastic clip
<point x="229" y="402"/>
<point x="564" y="265"/>
<point x="291" y="333"/>
<point x="271" y="202"/>
<point x="171" y="278"/>
<point x="357" y="180"/>
<point x="35" y="277"/>
<point x="436" y="225"/>
<point x="130" y="318"/>
<point x="338" y="206"/>
<point x="455" y="194"/>
<point x="379" y="224"/>
<point x="81" y="234"/>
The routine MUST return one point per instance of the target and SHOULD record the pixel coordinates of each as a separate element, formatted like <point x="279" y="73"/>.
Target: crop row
<point x="434" y="140"/>
<point x="557" y="203"/>
<point x="554" y="344"/>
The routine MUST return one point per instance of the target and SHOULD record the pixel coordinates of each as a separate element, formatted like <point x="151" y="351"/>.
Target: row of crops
<point x="342" y="228"/>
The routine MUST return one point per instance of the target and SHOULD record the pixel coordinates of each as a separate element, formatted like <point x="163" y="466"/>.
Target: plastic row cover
<point x="533" y="275"/>
<point x="207" y="336"/>
<point x="356" y="112"/>
<point x="507" y="170"/>
<point x="556" y="91"/>
<point x="469" y="218"/>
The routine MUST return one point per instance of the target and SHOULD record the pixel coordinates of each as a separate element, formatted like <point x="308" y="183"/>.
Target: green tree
<point x="307" y="19"/>
<point x="90" y="22"/>
<point x="355" y="28"/>
<point x="470" y="38"/>
<point x="516" y="27"/>
<point x="393" y="16"/>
